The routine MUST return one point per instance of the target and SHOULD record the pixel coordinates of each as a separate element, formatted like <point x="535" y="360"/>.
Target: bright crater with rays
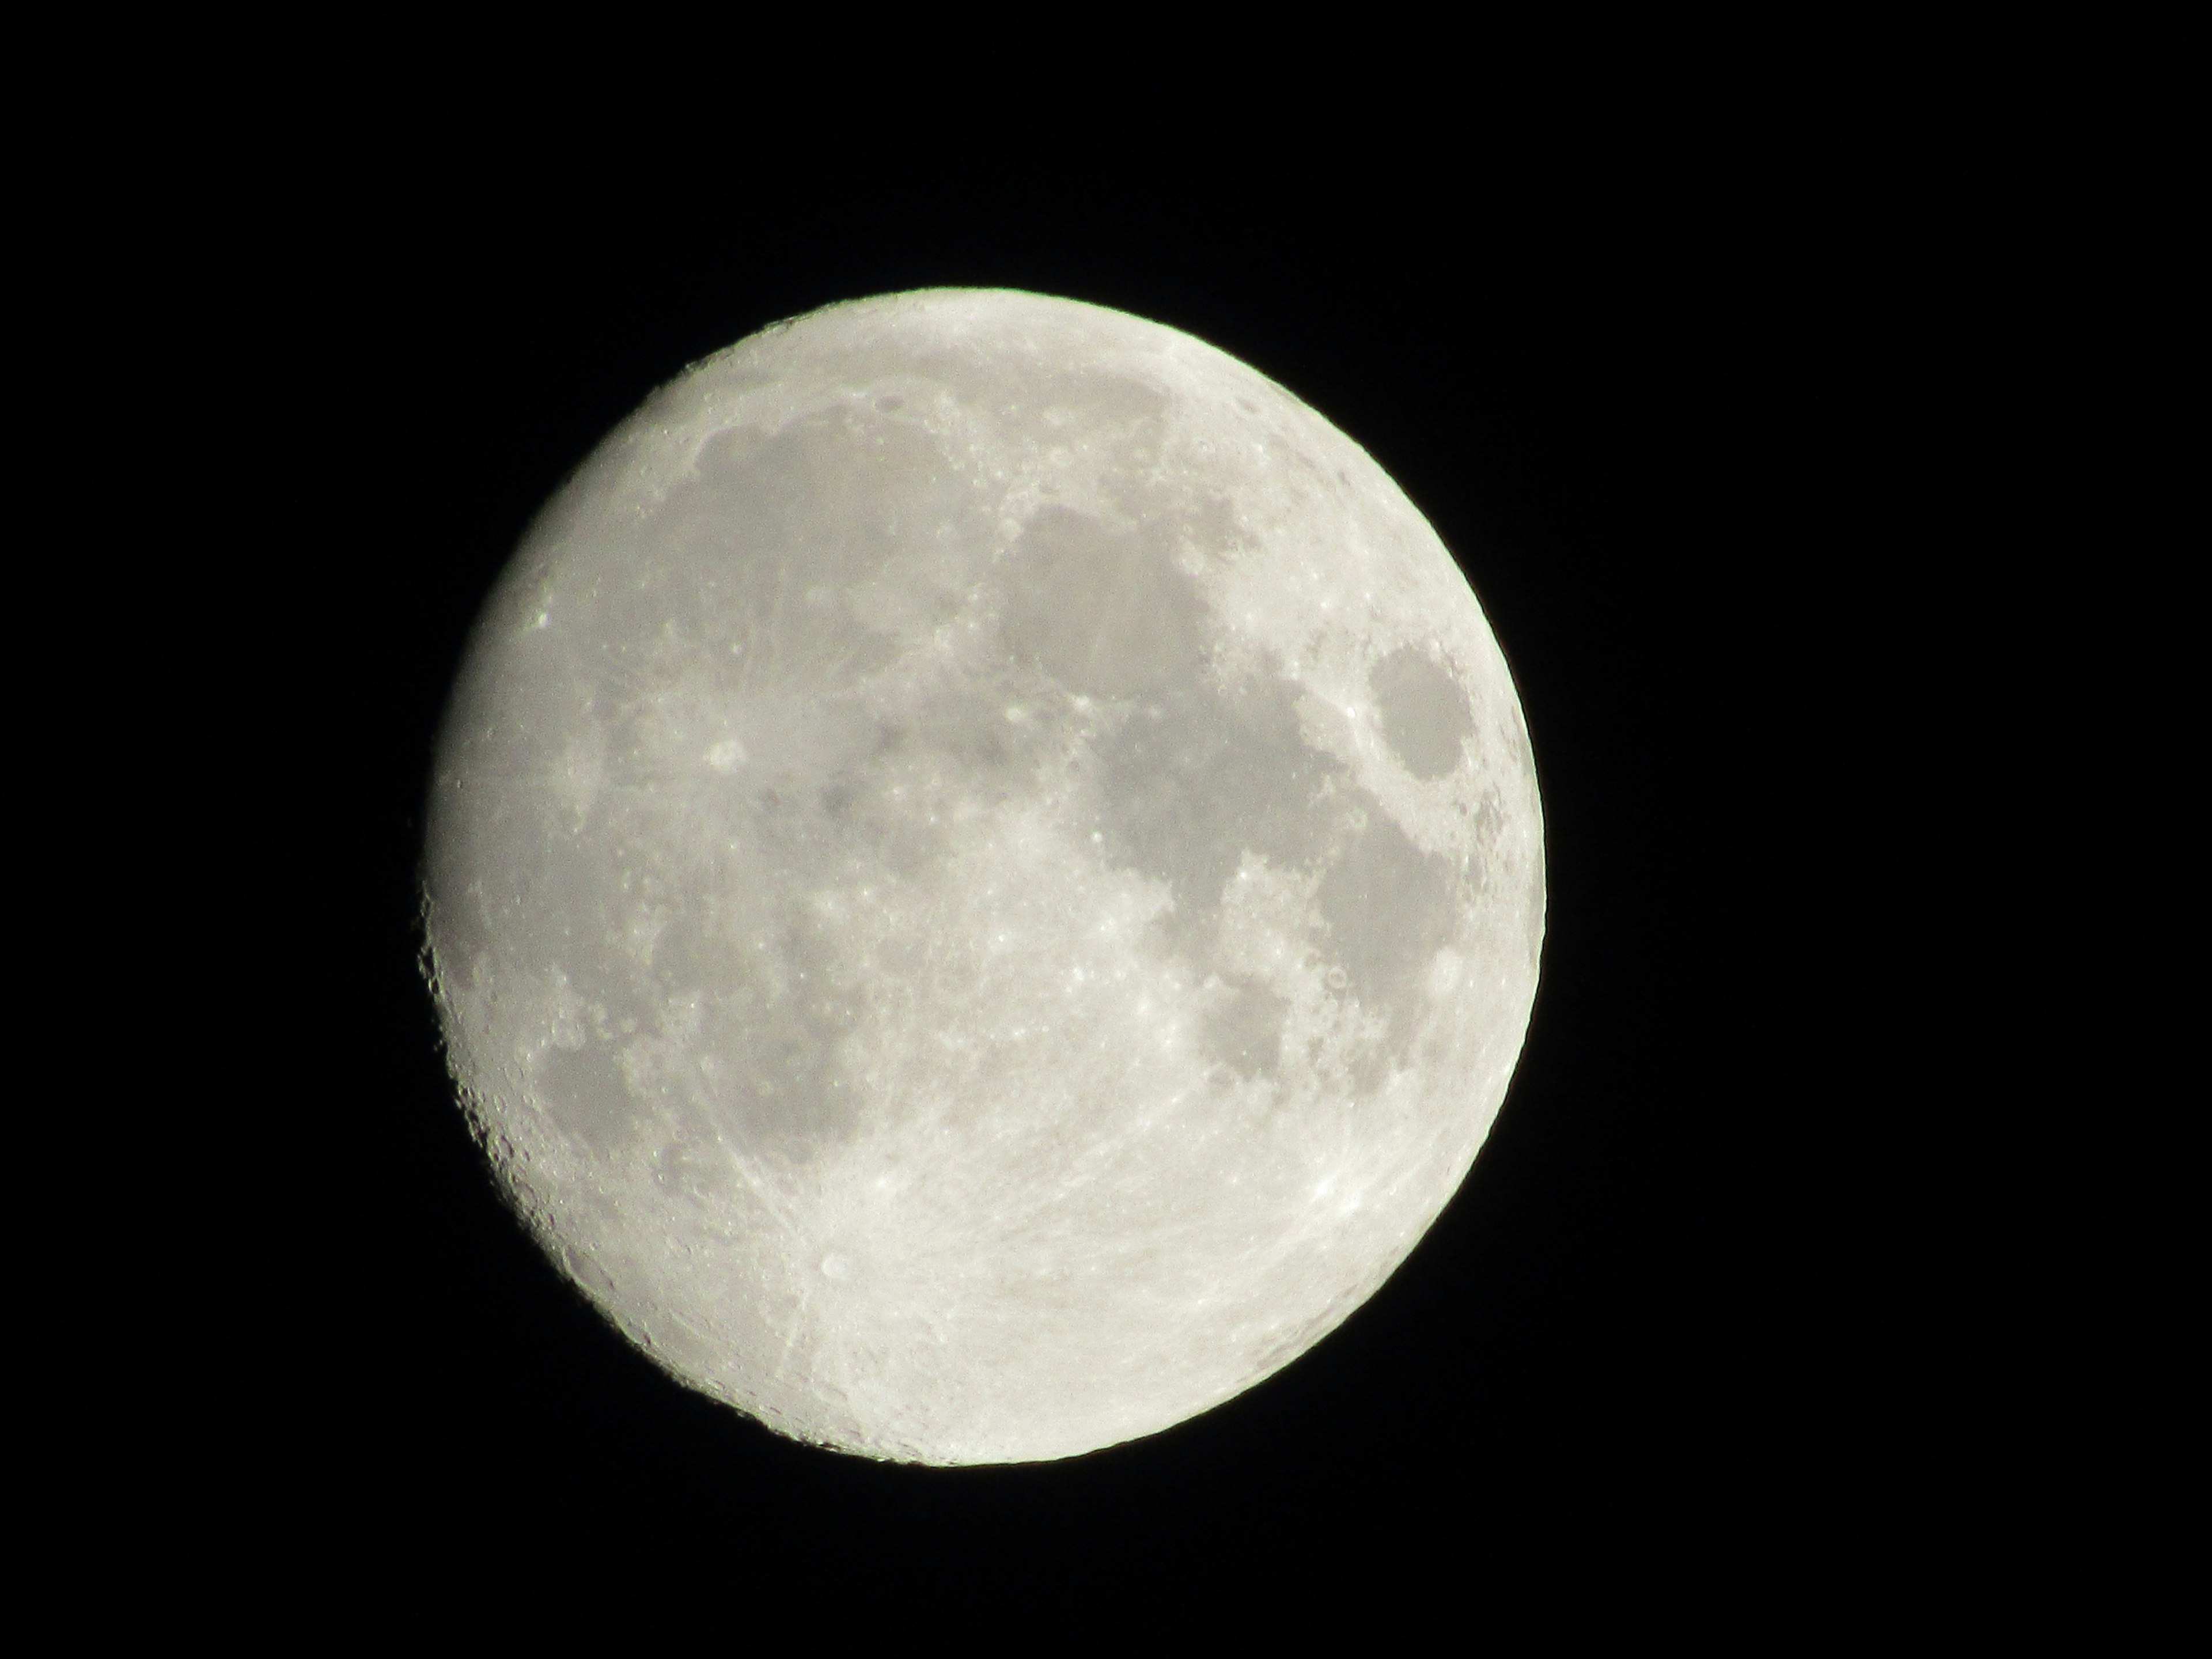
<point x="984" y="879"/>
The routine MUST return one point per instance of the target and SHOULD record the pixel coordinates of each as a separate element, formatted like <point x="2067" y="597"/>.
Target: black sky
<point x="1658" y="380"/>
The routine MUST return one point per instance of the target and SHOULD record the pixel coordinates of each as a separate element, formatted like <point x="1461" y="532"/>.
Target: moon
<point x="983" y="881"/>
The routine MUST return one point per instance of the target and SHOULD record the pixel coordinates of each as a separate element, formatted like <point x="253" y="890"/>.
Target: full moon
<point x="983" y="880"/>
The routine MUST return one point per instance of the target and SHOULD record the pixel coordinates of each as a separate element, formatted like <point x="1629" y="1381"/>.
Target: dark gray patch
<point x="1388" y="905"/>
<point x="786" y="1090"/>
<point x="690" y="949"/>
<point x="764" y="520"/>
<point x="1370" y="1068"/>
<point x="582" y="1090"/>
<point x="1246" y="1033"/>
<point x="1103" y="612"/>
<point x="1210" y="526"/>
<point x="1425" y="713"/>
<point x="1198" y="776"/>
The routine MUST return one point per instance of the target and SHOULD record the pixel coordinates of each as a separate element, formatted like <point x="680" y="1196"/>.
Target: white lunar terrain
<point x="984" y="880"/>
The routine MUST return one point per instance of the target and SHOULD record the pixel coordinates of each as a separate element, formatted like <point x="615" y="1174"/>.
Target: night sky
<point x="1647" y="373"/>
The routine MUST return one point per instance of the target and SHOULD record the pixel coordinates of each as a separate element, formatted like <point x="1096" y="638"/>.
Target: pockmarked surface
<point x="984" y="880"/>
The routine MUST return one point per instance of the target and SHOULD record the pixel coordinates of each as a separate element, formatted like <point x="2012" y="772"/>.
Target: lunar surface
<point x="984" y="879"/>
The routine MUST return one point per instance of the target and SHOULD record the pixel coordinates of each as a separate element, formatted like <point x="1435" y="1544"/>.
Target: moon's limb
<point x="985" y="877"/>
